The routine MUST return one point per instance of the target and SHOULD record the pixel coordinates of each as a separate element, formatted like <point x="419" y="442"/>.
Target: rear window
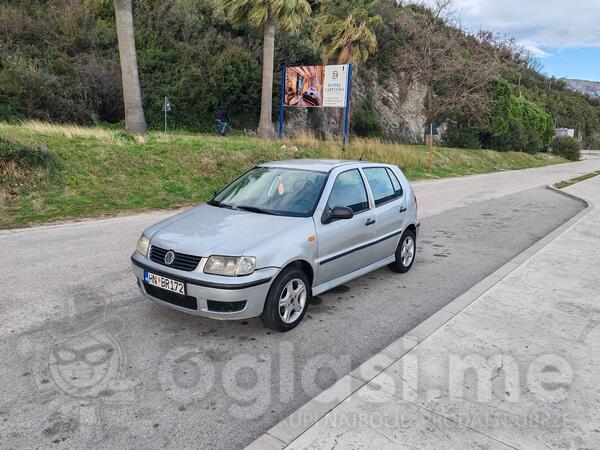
<point x="395" y="183"/>
<point x="381" y="185"/>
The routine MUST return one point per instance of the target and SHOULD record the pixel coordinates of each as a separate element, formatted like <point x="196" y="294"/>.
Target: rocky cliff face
<point x="396" y="100"/>
<point x="589" y="88"/>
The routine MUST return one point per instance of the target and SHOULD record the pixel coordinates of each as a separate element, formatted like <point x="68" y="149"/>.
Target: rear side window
<point x="381" y="184"/>
<point x="349" y="190"/>
<point x="395" y="183"/>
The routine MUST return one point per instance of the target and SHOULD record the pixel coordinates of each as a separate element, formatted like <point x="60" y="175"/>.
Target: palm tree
<point x="266" y="14"/>
<point x="345" y="31"/>
<point x="132" y="95"/>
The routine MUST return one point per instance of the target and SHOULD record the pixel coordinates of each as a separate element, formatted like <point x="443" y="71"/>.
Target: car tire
<point x="291" y="283"/>
<point x="405" y="252"/>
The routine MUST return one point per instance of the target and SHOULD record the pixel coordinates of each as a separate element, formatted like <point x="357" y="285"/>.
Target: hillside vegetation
<point x="59" y="62"/>
<point x="50" y="172"/>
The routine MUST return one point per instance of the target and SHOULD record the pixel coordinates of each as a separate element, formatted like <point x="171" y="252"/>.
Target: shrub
<point x="23" y="156"/>
<point x="124" y="136"/>
<point x="515" y="123"/>
<point x="364" y="122"/>
<point x="567" y="147"/>
<point x="534" y="141"/>
<point x="513" y="139"/>
<point x="532" y="116"/>
<point x="461" y="137"/>
<point x="22" y="168"/>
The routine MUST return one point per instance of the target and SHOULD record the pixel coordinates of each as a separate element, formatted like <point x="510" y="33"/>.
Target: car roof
<point x="320" y="165"/>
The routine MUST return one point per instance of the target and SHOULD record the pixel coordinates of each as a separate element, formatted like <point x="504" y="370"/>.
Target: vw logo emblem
<point x="169" y="257"/>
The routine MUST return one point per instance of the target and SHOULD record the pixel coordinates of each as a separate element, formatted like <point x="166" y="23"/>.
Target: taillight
<point x="416" y="202"/>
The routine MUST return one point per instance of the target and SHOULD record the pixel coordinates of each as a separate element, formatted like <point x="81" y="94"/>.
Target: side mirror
<point x="337" y="213"/>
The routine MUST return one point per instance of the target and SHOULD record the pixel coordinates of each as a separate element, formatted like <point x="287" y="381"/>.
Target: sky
<point x="563" y="35"/>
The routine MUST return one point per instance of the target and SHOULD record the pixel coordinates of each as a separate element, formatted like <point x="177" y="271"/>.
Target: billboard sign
<point x="564" y="132"/>
<point x="316" y="86"/>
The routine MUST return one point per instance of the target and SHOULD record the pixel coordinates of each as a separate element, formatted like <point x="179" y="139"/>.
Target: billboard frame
<point x="282" y="105"/>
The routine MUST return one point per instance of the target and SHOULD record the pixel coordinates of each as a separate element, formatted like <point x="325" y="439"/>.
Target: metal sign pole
<point x="282" y="97"/>
<point x="166" y="109"/>
<point x="347" y="112"/>
<point x="430" y="147"/>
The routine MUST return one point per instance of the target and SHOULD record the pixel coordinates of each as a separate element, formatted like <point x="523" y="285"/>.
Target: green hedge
<point x="515" y="123"/>
<point x="567" y="147"/>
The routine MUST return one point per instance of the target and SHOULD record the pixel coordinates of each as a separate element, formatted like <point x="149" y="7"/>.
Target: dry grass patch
<point x="567" y="183"/>
<point x="99" y="171"/>
<point x="68" y="130"/>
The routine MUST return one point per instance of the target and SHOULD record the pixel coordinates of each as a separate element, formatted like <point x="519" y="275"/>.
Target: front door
<point x="341" y="244"/>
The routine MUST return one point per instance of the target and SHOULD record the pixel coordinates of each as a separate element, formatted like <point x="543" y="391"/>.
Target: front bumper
<point x="214" y="295"/>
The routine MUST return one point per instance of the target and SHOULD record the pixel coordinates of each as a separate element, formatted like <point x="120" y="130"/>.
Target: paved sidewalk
<point x="514" y="362"/>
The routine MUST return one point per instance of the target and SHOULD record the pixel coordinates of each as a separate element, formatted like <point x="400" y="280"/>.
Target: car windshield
<point x="273" y="190"/>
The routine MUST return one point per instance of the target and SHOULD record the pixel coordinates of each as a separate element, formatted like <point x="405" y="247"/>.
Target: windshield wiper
<point x="257" y="210"/>
<point x="219" y="204"/>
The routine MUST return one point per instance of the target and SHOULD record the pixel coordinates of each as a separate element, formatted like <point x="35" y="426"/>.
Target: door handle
<point x="370" y="222"/>
<point x="402" y="209"/>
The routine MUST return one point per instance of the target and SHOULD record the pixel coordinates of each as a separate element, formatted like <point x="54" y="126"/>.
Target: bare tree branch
<point x="454" y="67"/>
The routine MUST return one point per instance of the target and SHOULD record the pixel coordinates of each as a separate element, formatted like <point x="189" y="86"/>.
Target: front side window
<point x="380" y="184"/>
<point x="349" y="190"/>
<point x="274" y="190"/>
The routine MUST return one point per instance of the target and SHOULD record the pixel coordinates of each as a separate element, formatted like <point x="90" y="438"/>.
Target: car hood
<point x="209" y="230"/>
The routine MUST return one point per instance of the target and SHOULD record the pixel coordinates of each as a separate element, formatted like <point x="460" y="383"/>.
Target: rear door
<point x="341" y="244"/>
<point x="390" y="210"/>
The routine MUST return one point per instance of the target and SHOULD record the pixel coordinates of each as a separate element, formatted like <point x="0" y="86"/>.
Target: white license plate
<point x="164" y="282"/>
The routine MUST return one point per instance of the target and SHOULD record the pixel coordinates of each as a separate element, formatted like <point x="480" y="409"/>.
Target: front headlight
<point x="230" y="266"/>
<point x="142" y="246"/>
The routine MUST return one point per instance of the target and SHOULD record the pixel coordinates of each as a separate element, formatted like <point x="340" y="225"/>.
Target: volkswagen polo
<point x="275" y="236"/>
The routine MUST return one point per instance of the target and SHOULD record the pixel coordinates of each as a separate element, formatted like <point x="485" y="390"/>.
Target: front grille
<point x="225" y="306"/>
<point x="185" y="301"/>
<point x="181" y="262"/>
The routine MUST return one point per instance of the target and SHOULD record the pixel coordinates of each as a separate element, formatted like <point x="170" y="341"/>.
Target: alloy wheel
<point x="292" y="300"/>
<point x="407" y="251"/>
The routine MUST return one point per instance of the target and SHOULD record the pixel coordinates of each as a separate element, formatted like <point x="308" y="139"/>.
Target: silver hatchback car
<point x="278" y="234"/>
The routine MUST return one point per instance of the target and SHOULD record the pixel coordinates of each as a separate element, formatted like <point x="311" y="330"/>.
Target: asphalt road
<point x="86" y="361"/>
<point x="79" y="266"/>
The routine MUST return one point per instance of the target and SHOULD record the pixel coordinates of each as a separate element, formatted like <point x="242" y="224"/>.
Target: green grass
<point x="97" y="171"/>
<point x="567" y="183"/>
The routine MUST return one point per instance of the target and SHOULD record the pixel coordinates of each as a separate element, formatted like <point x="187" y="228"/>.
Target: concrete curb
<point x="289" y="429"/>
<point x="123" y="215"/>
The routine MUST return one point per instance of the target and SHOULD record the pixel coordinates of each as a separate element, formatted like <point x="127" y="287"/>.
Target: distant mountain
<point x="590" y="88"/>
